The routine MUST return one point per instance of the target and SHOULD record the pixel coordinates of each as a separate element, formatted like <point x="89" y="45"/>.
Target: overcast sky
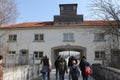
<point x="44" y="10"/>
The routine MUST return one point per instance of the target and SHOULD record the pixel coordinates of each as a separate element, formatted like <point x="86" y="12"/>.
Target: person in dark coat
<point x="56" y="63"/>
<point x="82" y="65"/>
<point x="62" y="68"/>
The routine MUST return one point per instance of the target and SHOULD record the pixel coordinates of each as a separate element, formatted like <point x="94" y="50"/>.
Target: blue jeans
<point x="46" y="74"/>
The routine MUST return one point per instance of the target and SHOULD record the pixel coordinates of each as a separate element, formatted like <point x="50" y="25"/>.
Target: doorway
<point x="23" y="57"/>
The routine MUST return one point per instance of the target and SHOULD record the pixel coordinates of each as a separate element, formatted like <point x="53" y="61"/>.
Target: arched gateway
<point x="55" y="50"/>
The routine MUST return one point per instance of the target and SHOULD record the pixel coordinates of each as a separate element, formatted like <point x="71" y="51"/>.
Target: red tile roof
<point x="44" y="24"/>
<point x="28" y="24"/>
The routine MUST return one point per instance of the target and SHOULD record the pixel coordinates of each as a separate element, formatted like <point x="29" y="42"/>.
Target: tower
<point x="68" y="15"/>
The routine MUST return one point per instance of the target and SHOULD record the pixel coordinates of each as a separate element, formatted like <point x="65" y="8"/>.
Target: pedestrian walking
<point x="56" y="66"/>
<point x="46" y="67"/>
<point x="74" y="71"/>
<point x="1" y="67"/>
<point x="71" y="58"/>
<point x="82" y="65"/>
<point x="62" y="68"/>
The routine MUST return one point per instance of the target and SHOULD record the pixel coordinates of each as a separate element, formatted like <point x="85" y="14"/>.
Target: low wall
<point x="27" y="72"/>
<point x="105" y="73"/>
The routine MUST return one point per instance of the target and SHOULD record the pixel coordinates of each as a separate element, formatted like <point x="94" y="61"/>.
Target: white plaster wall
<point x="53" y="37"/>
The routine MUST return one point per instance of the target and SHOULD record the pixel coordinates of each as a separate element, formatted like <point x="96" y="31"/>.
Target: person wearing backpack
<point x="74" y="71"/>
<point x="62" y="68"/>
<point x="82" y="65"/>
<point x="56" y="66"/>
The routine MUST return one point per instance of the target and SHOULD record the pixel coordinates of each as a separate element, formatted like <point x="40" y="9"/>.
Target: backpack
<point x="61" y="66"/>
<point x="74" y="71"/>
<point x="88" y="70"/>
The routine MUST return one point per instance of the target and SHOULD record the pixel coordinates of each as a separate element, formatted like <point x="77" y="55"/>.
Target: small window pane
<point x="96" y="54"/>
<point x="38" y="54"/>
<point x="68" y="36"/>
<point x="39" y="37"/>
<point x="99" y="36"/>
<point x="12" y="37"/>
<point x="36" y="37"/>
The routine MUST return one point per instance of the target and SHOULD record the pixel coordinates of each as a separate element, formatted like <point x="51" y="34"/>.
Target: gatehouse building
<point x="68" y="34"/>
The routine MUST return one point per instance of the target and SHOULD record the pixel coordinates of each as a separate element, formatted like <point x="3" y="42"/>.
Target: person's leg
<point x="69" y="73"/>
<point x="62" y="76"/>
<point x="43" y="76"/>
<point x="48" y="75"/>
<point x="56" y="74"/>
<point x="85" y="77"/>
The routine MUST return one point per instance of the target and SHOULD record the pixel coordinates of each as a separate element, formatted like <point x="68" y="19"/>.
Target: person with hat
<point x="74" y="71"/>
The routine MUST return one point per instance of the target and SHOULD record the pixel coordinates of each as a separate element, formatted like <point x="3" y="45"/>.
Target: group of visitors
<point x="61" y="68"/>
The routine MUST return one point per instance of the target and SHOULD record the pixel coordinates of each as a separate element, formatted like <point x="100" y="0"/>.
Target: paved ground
<point x="52" y="76"/>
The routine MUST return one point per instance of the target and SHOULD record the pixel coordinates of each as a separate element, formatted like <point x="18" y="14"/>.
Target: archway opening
<point x="68" y="50"/>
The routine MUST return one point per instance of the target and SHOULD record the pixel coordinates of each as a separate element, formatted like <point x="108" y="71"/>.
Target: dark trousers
<point x="74" y="77"/>
<point x="85" y="77"/>
<point x="61" y="76"/>
<point x="56" y="73"/>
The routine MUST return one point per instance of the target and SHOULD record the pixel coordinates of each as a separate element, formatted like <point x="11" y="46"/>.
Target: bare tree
<point x="8" y="12"/>
<point x="106" y="9"/>
<point x="109" y="10"/>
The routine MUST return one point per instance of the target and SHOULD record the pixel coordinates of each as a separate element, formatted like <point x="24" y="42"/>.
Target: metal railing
<point x="18" y="60"/>
<point x="20" y="67"/>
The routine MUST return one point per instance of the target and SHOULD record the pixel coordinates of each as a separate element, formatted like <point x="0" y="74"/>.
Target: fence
<point x="18" y="60"/>
<point x="112" y="60"/>
<point x="20" y="67"/>
<point x="21" y="73"/>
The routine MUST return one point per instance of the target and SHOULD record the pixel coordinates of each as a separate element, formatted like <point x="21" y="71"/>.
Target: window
<point x="68" y="8"/>
<point x="13" y="37"/>
<point x="61" y="7"/>
<point x="99" y="54"/>
<point x="39" y="37"/>
<point x="12" y="54"/>
<point x="38" y="54"/>
<point x="99" y="36"/>
<point x="68" y="37"/>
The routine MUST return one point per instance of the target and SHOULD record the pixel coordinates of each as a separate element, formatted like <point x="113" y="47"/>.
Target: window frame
<point x="69" y="37"/>
<point x="12" y="54"/>
<point x="12" y="37"/>
<point x="39" y="37"/>
<point x="99" y="55"/>
<point x="39" y="55"/>
<point x="68" y="8"/>
<point x="99" y="37"/>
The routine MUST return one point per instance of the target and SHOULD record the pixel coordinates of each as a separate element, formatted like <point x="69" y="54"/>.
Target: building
<point x="68" y="32"/>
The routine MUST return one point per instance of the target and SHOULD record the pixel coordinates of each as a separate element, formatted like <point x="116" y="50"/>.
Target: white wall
<point x="53" y="37"/>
